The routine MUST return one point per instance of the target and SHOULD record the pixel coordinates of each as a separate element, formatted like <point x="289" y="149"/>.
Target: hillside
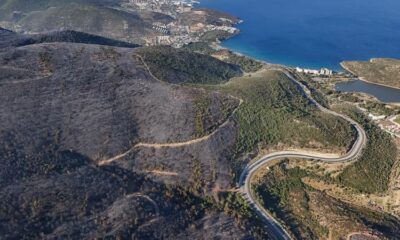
<point x="35" y="5"/>
<point x="9" y="38"/>
<point x="383" y="71"/>
<point x="99" y="18"/>
<point x="314" y="214"/>
<point x="177" y="66"/>
<point x="105" y="139"/>
<point x="67" y="106"/>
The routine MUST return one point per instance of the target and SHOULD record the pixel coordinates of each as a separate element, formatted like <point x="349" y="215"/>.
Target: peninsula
<point x="383" y="71"/>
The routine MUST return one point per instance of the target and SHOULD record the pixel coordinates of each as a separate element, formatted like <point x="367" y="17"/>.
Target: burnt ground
<point x="66" y="106"/>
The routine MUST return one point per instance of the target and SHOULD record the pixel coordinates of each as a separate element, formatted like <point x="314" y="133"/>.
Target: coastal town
<point x="182" y="23"/>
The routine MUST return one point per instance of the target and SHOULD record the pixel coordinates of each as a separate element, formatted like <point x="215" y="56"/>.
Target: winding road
<point x="275" y="228"/>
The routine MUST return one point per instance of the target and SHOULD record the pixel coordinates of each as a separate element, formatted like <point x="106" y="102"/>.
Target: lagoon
<point x="384" y="94"/>
<point x="314" y="33"/>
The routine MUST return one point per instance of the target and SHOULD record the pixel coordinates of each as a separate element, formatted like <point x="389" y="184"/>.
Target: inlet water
<point x="384" y="94"/>
<point x="314" y="33"/>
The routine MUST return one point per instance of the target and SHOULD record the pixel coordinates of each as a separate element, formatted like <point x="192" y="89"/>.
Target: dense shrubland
<point x="180" y="66"/>
<point x="371" y="173"/>
<point x="275" y="111"/>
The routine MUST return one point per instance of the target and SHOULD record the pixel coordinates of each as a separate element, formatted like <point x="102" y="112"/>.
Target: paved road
<point x="276" y="230"/>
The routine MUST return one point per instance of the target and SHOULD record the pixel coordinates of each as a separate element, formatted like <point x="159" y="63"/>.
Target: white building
<point x="325" y="71"/>
<point x="300" y="70"/>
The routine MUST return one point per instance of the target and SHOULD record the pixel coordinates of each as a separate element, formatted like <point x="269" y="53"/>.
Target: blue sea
<point x="314" y="33"/>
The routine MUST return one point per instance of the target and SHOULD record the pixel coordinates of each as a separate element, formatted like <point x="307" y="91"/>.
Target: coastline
<point x="220" y="44"/>
<point x="217" y="45"/>
<point x="365" y="80"/>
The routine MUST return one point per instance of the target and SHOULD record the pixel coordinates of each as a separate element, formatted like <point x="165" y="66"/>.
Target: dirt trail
<point x="171" y="145"/>
<point x="175" y="144"/>
<point x="165" y="173"/>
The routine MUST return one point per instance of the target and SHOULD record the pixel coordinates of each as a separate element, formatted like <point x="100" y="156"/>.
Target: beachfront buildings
<point x="322" y="71"/>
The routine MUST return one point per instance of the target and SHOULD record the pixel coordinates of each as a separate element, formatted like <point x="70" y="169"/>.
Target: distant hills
<point x="9" y="38"/>
<point x="95" y="17"/>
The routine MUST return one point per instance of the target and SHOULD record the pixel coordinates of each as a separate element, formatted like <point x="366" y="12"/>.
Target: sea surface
<point x="384" y="94"/>
<point x="314" y="33"/>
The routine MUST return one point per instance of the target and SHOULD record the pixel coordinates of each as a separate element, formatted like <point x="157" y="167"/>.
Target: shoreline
<point x="219" y="45"/>
<point x="365" y="80"/>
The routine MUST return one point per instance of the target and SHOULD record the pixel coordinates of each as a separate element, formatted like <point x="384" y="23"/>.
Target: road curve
<point x="276" y="229"/>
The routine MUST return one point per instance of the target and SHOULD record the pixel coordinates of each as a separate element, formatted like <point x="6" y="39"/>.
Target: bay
<point x="314" y="33"/>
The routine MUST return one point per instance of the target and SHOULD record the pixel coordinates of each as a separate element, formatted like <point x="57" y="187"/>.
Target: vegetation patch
<point x="397" y="120"/>
<point x="180" y="66"/>
<point x="202" y="112"/>
<point x="312" y="214"/>
<point x="371" y="173"/>
<point x="235" y="205"/>
<point x="379" y="108"/>
<point x="245" y="63"/>
<point x="213" y="35"/>
<point x="275" y="111"/>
